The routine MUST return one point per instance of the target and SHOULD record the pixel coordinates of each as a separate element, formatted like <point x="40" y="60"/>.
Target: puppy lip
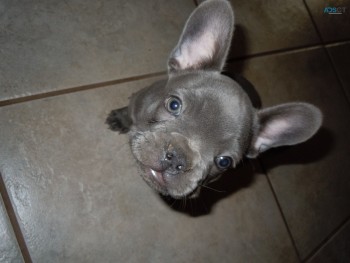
<point x="154" y="179"/>
<point x="158" y="176"/>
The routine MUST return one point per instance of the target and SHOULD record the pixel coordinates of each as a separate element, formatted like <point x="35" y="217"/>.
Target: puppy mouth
<point x="154" y="178"/>
<point x="157" y="180"/>
<point x="158" y="176"/>
<point x="168" y="163"/>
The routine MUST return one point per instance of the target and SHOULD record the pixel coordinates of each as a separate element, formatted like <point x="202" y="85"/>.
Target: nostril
<point x="179" y="167"/>
<point x="169" y="156"/>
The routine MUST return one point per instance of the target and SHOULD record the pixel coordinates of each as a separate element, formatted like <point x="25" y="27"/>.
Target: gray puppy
<point x="186" y="130"/>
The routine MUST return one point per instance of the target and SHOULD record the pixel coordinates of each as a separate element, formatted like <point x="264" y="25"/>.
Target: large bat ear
<point x="206" y="38"/>
<point x="285" y="124"/>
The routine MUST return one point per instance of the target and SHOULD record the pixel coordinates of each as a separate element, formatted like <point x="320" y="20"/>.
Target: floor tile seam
<point x="313" y="22"/>
<point x="286" y="51"/>
<point x="141" y="77"/>
<point x="76" y="89"/>
<point x="276" y="52"/>
<point x="329" y="44"/>
<point x="279" y="206"/>
<point x="337" y="43"/>
<point x="294" y="49"/>
<point x="339" y="79"/>
<point x="323" y="243"/>
<point x="318" y="32"/>
<point x="14" y="222"/>
<point x="327" y="239"/>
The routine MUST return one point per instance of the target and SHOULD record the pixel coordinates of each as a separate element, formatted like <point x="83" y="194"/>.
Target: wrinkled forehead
<point x="204" y="85"/>
<point x="208" y="94"/>
<point x="213" y="106"/>
<point x="196" y="80"/>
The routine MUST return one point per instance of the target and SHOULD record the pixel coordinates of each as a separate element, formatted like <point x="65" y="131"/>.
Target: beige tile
<point x="336" y="249"/>
<point x="79" y="198"/>
<point x="340" y="55"/>
<point x="51" y="45"/>
<point x="263" y="26"/>
<point x="9" y="250"/>
<point x="331" y="27"/>
<point x="311" y="180"/>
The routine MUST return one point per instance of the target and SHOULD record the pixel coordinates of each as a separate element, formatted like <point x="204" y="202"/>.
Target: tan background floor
<point x="69" y="188"/>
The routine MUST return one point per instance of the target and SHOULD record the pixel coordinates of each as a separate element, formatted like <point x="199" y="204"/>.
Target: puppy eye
<point x="173" y="105"/>
<point x="223" y="162"/>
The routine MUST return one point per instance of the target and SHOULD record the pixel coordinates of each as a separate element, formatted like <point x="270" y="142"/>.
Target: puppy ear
<point x="285" y="124"/>
<point x="206" y="38"/>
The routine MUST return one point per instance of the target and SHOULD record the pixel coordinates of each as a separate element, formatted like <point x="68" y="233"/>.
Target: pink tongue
<point x="158" y="176"/>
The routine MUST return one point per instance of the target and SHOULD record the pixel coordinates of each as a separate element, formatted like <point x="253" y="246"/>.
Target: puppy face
<point x="180" y="137"/>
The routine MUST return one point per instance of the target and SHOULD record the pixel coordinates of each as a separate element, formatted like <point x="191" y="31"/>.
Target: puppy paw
<point x="119" y="120"/>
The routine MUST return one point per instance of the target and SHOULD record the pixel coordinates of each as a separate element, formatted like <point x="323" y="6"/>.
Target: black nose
<point x="174" y="162"/>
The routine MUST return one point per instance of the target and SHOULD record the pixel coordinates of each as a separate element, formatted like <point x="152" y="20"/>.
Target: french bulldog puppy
<point x="187" y="129"/>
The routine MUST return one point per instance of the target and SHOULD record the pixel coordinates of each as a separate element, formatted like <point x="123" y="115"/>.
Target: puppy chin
<point x="195" y="193"/>
<point x="190" y="193"/>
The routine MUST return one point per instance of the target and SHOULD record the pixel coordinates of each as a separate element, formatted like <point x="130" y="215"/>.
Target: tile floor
<point x="69" y="189"/>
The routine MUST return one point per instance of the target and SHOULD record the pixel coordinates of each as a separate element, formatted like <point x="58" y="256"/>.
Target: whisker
<point x="192" y="210"/>
<point x="213" y="189"/>
<point x="204" y="206"/>
<point x="184" y="203"/>
<point x="173" y="203"/>
<point x="243" y="162"/>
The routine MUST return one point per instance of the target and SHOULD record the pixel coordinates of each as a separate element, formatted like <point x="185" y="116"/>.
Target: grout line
<point x="276" y="52"/>
<point x="295" y="49"/>
<point x="288" y="50"/>
<point x="14" y="223"/>
<point x="313" y="22"/>
<point x="281" y="210"/>
<point x="134" y="78"/>
<point x="335" y="71"/>
<point x="77" y="89"/>
<point x="325" y="46"/>
<point x="327" y="240"/>
<point x="339" y="43"/>
<point x="140" y="77"/>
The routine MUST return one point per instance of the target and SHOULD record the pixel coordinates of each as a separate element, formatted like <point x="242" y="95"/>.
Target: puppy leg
<point x="119" y="120"/>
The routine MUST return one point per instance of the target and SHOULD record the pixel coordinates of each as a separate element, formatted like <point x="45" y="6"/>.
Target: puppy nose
<point x="174" y="162"/>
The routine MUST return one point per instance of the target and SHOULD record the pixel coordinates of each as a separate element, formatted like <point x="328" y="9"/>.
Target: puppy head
<point x="188" y="129"/>
<point x="185" y="132"/>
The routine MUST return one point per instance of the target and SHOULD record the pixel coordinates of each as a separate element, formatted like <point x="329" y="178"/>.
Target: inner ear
<point x="285" y="124"/>
<point x="197" y="53"/>
<point x="206" y="38"/>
